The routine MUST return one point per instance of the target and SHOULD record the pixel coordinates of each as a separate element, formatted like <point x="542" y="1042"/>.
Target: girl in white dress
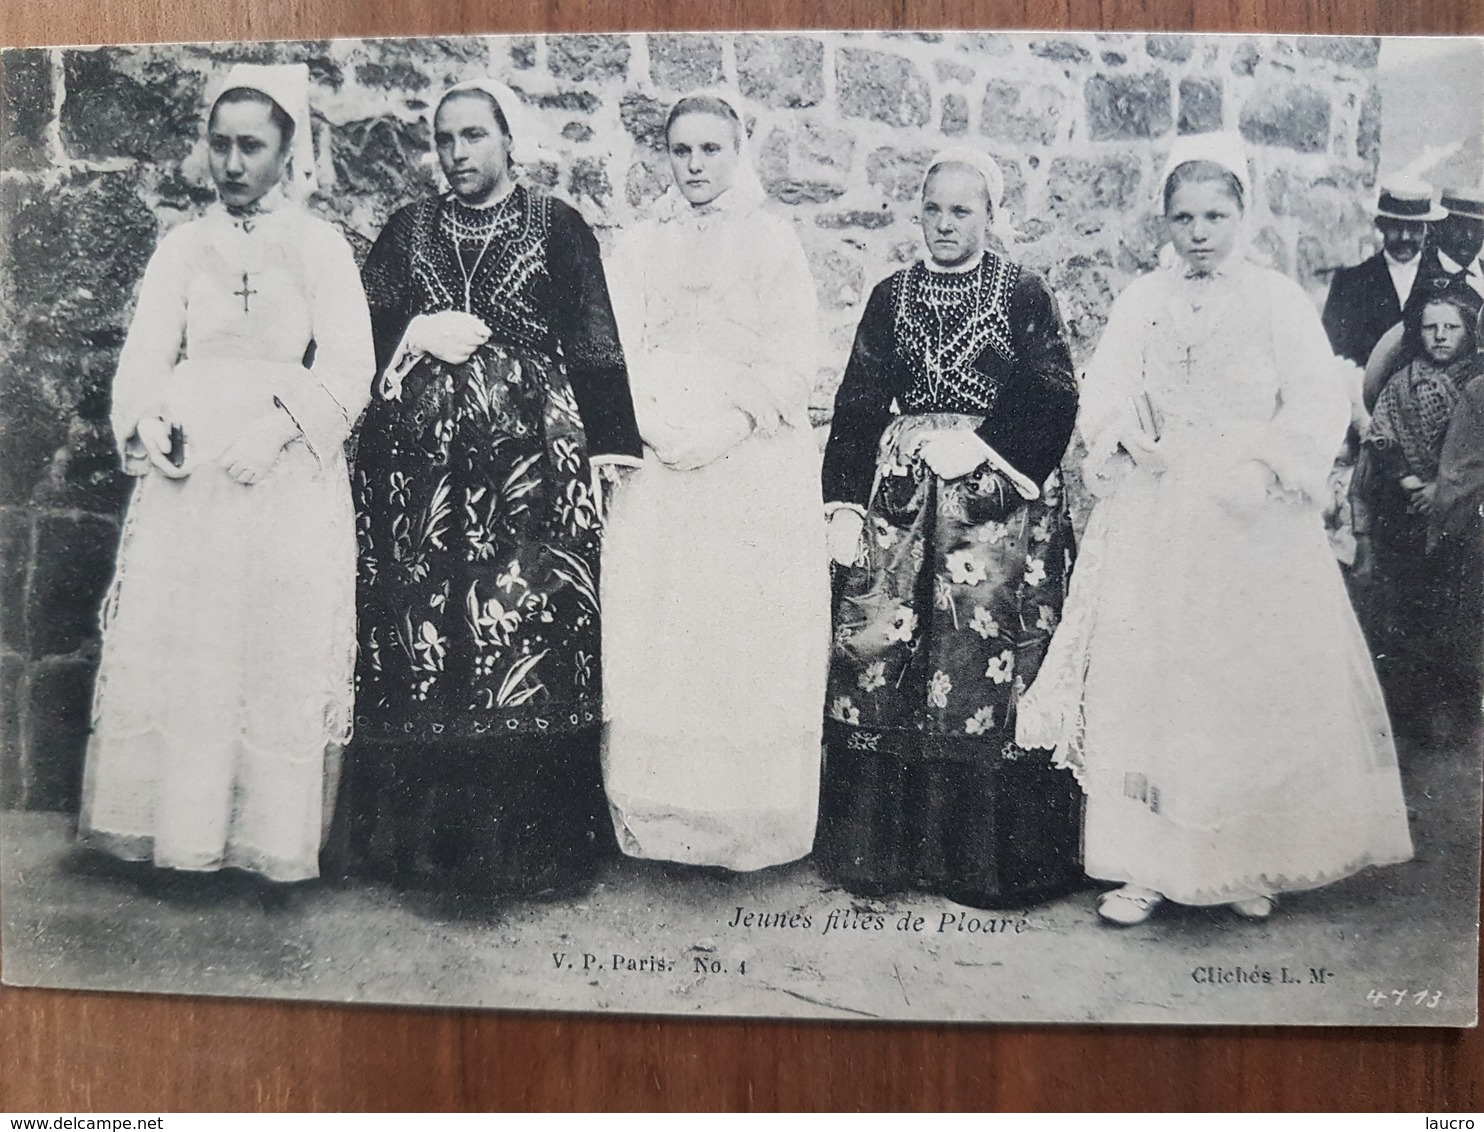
<point x="1209" y="684"/>
<point x="715" y="575"/>
<point x="229" y="631"/>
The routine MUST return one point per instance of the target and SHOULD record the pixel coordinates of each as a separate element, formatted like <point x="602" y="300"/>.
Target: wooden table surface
<point x="63" y="1051"/>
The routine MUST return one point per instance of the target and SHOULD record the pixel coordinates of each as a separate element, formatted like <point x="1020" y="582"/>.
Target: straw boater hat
<point x="1407" y="200"/>
<point x="1464" y="202"/>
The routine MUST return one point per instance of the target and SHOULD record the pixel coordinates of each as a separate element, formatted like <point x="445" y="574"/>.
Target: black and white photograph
<point x="960" y="527"/>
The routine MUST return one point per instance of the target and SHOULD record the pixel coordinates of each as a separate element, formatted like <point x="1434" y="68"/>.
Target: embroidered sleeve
<point x="862" y="404"/>
<point x="1036" y="409"/>
<point x="588" y="336"/>
<point x="387" y="278"/>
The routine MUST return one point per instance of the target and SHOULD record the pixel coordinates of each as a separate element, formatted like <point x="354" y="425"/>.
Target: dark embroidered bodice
<point x="490" y="262"/>
<point x="987" y="342"/>
<point x="944" y="323"/>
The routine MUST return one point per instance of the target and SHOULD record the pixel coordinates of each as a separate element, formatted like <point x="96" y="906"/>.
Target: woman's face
<point x="703" y="156"/>
<point x="955" y="214"/>
<point x="1443" y="332"/>
<point x="472" y="149"/>
<point x="245" y="152"/>
<point x="1203" y="221"/>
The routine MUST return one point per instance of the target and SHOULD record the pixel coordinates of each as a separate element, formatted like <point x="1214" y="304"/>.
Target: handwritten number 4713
<point x="1427" y="998"/>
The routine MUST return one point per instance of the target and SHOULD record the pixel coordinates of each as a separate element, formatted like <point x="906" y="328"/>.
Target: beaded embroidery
<point x="451" y="239"/>
<point x="944" y="322"/>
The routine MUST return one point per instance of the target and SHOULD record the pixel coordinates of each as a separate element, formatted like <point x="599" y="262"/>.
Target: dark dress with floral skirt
<point x="944" y="624"/>
<point x="478" y="699"/>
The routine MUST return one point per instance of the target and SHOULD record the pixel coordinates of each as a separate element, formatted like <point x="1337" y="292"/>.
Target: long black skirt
<point x="995" y="834"/>
<point x="519" y="815"/>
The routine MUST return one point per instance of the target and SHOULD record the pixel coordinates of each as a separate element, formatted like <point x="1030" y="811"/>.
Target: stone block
<point x="56" y="449"/>
<point x="523" y="52"/>
<point x="1014" y="201"/>
<point x="898" y="173"/>
<point x="1139" y="243"/>
<point x="395" y="74"/>
<point x="15" y="559"/>
<point x="954" y="120"/>
<point x="1290" y="113"/>
<point x="646" y="182"/>
<point x="1359" y="51"/>
<point x="12" y="765"/>
<point x="56" y="733"/>
<point x="784" y="71"/>
<point x="950" y="72"/>
<point x="1245" y="57"/>
<point x="1022" y="113"/>
<point x="1319" y="255"/>
<point x="1200" y="105"/>
<point x="1127" y="106"/>
<point x="882" y="88"/>
<point x="807" y="166"/>
<point x="588" y="58"/>
<point x="825" y="146"/>
<point x="588" y="180"/>
<point x="545" y="175"/>
<point x="986" y="44"/>
<point x="868" y="218"/>
<point x="644" y="119"/>
<point x="129" y="102"/>
<point x="1077" y="187"/>
<point x="74" y="560"/>
<point x="76" y="253"/>
<point x="1060" y="50"/>
<point x="1084" y="294"/>
<point x="1334" y="202"/>
<point x="25" y="107"/>
<point x="1171" y="48"/>
<point x="839" y="278"/>
<point x="34" y="430"/>
<point x="685" y="62"/>
<point x="1368" y="129"/>
<point x="383" y="158"/>
<point x="571" y="101"/>
<point x="1269" y="247"/>
<point x="170" y="187"/>
<point x="83" y="472"/>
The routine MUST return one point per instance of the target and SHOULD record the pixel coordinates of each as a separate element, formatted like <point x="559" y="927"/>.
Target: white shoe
<point x="1129" y="905"/>
<point x="1255" y="908"/>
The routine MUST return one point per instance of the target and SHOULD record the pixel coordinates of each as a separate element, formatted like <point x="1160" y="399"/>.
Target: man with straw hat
<point x="1367" y="300"/>
<point x="1457" y="238"/>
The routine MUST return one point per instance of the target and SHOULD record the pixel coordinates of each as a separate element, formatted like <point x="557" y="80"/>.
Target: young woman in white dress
<point x="229" y="632"/>
<point x="715" y="575"/>
<point x="1209" y="684"/>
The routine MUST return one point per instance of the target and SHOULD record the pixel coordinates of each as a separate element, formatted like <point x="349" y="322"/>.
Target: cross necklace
<point x="247" y="292"/>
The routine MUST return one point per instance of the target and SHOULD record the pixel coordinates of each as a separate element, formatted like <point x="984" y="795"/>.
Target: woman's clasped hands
<point x="1420" y="494"/>
<point x="953" y="454"/>
<point x="843" y="535"/>
<point x="252" y="455"/>
<point x="450" y="336"/>
<point x="154" y="437"/>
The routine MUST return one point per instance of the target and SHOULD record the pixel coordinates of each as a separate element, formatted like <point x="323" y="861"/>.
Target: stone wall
<point x="100" y="151"/>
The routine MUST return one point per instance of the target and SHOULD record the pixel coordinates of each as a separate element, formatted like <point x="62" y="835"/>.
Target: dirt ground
<point x="1394" y="946"/>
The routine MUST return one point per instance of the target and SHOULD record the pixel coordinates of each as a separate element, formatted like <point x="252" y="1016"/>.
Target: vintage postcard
<point x="975" y="527"/>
